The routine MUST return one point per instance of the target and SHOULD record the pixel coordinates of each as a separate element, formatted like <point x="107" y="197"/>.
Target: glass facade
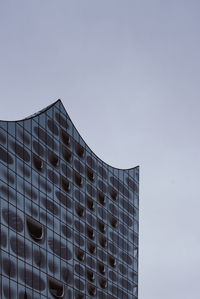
<point x="68" y="221"/>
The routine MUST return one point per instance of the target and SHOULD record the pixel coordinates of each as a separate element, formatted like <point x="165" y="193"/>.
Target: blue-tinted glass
<point x="69" y="221"/>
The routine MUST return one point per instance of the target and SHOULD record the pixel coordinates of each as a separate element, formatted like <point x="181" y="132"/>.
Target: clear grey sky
<point x="128" y="73"/>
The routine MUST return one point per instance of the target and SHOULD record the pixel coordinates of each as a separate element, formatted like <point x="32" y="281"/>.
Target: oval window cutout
<point x="35" y="229"/>
<point x="38" y="163"/>
<point x="56" y="288"/>
<point x="92" y="290"/>
<point x="53" y="158"/>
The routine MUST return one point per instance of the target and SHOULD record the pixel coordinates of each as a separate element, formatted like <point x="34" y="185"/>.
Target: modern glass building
<point x="68" y="220"/>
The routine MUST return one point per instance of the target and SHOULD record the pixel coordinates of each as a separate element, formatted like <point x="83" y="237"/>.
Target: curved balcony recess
<point x="80" y="150"/>
<point x="53" y="158"/>
<point x="90" y="275"/>
<point x="78" y="179"/>
<point x="56" y="288"/>
<point x="65" y="137"/>
<point x="35" y="229"/>
<point x="91" y="247"/>
<point x="102" y="198"/>
<point x="90" y="203"/>
<point x="92" y="290"/>
<point x="38" y="163"/>
<point x="90" y="174"/>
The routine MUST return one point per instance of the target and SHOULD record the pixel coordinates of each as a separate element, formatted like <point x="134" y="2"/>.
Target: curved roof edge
<point x="35" y="114"/>
<point x="49" y="107"/>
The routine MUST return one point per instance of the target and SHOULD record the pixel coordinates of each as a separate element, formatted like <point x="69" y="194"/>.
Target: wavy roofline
<point x="32" y="116"/>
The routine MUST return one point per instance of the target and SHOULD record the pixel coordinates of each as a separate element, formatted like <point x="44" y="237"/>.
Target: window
<point x="112" y="261"/>
<point x="91" y="247"/>
<point x="90" y="203"/>
<point x="90" y="275"/>
<point x="35" y="229"/>
<point x="101" y="268"/>
<point x="38" y="163"/>
<point x="79" y="210"/>
<point x="56" y="288"/>
<point x="102" y="226"/>
<point x="113" y="194"/>
<point x="113" y="222"/>
<point x="80" y="254"/>
<point x="90" y="232"/>
<point x="53" y="158"/>
<point x="65" y="184"/>
<point x="80" y="150"/>
<point x="101" y="197"/>
<point x="67" y="155"/>
<point x="78" y="179"/>
<point x="65" y="138"/>
<point x="103" y="283"/>
<point x="91" y="290"/>
<point x="103" y="241"/>
<point x="90" y="174"/>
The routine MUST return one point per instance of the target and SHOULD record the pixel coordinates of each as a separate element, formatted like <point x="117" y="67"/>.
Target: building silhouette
<point x="68" y="221"/>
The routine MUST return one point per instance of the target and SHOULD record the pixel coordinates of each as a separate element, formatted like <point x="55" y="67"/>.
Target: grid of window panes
<point x="69" y="222"/>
